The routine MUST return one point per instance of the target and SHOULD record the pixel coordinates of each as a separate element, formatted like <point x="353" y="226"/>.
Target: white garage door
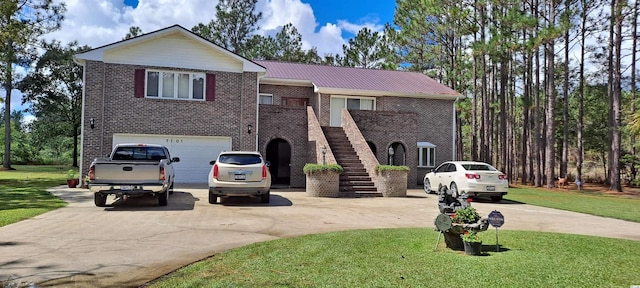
<point x="195" y="152"/>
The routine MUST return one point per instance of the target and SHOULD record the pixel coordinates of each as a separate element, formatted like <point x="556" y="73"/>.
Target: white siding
<point x="174" y="50"/>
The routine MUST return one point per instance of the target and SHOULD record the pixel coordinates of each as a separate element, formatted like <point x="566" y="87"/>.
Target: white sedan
<point x="477" y="179"/>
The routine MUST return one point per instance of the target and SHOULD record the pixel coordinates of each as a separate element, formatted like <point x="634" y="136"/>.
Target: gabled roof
<point x="97" y="54"/>
<point x="355" y="81"/>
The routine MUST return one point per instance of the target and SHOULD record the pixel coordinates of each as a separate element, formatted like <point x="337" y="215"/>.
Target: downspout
<point x="104" y="81"/>
<point x="241" y="118"/>
<point x="258" y="108"/>
<point x="455" y="132"/>
<point x="84" y="81"/>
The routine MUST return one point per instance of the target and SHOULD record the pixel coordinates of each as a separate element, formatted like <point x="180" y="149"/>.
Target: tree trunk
<point x="551" y="102"/>
<point x="537" y="143"/>
<point x="615" y="94"/>
<point x="8" y="86"/>
<point x="565" y="105"/>
<point x="583" y="29"/>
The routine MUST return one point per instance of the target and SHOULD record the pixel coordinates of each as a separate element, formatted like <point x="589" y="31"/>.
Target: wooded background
<point x="550" y="85"/>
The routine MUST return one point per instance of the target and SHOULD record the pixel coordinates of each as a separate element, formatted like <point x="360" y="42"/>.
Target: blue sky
<point x="324" y="24"/>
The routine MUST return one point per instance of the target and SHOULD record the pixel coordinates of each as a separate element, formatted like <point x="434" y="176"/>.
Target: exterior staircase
<point x="355" y="181"/>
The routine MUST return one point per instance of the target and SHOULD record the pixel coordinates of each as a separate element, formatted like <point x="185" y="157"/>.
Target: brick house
<point x="175" y="88"/>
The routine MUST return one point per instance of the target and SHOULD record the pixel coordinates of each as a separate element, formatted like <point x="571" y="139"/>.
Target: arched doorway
<point x="279" y="154"/>
<point x="373" y="148"/>
<point x="396" y="154"/>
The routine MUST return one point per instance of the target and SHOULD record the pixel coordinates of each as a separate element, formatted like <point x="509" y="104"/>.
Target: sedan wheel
<point x="427" y="186"/>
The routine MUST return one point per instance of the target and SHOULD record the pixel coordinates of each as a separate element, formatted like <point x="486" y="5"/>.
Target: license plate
<point x="126" y="188"/>
<point x="240" y="177"/>
<point x="491" y="188"/>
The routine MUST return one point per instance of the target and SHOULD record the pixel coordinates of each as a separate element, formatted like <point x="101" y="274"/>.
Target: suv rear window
<point x="240" y="159"/>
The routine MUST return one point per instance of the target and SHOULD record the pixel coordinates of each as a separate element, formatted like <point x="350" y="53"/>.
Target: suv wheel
<point x="213" y="199"/>
<point x="265" y="197"/>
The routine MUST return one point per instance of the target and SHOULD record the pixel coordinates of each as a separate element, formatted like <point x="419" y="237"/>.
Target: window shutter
<point x="211" y="87"/>
<point x="138" y="90"/>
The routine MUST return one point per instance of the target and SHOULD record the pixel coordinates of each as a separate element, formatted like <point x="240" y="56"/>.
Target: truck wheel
<point x="100" y="199"/>
<point x="171" y="189"/>
<point x="163" y="198"/>
<point x="265" y="197"/>
<point x="213" y="199"/>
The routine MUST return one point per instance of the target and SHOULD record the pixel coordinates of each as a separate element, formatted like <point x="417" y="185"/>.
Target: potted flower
<point x="461" y="219"/>
<point x="72" y="178"/>
<point x="393" y="180"/>
<point x="467" y="215"/>
<point x="472" y="243"/>
<point x="323" y="180"/>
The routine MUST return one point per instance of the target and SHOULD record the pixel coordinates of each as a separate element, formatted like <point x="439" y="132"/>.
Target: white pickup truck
<point x="133" y="170"/>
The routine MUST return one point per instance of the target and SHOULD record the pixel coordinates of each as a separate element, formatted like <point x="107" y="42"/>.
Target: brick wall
<point x="408" y="121"/>
<point x="110" y="101"/>
<point x="290" y="125"/>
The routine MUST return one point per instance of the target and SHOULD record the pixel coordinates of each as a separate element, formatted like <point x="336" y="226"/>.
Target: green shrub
<point x="311" y="168"/>
<point x="380" y="168"/>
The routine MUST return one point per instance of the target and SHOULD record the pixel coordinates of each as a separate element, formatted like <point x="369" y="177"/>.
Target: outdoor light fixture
<point x="391" y="152"/>
<point x="92" y="123"/>
<point x="249" y="127"/>
<point x="324" y="153"/>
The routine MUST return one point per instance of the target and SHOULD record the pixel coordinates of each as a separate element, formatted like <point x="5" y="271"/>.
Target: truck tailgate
<point x="122" y="172"/>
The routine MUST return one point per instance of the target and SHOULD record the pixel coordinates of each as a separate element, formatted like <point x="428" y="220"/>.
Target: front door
<point x="279" y="155"/>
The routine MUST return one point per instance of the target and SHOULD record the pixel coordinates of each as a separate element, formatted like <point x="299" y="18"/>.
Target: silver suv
<point x="239" y="173"/>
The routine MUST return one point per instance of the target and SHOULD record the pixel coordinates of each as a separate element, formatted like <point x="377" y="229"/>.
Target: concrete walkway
<point x="135" y="241"/>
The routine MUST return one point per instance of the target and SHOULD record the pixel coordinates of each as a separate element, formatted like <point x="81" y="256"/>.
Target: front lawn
<point x="585" y="201"/>
<point x="23" y="192"/>
<point x="405" y="258"/>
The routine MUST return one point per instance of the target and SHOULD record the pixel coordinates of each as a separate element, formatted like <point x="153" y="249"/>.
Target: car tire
<point x="454" y="190"/>
<point x="163" y="198"/>
<point x="100" y="199"/>
<point x="427" y="186"/>
<point x="213" y="199"/>
<point x="171" y="189"/>
<point x="265" y="197"/>
<point x="496" y="198"/>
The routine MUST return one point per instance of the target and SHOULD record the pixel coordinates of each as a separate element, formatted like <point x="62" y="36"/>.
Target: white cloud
<point x="100" y="22"/>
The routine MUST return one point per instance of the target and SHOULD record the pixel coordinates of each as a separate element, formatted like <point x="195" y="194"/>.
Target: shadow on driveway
<point x="274" y="201"/>
<point x="178" y="201"/>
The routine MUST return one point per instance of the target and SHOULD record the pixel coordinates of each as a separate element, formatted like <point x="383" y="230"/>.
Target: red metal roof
<point x="349" y="78"/>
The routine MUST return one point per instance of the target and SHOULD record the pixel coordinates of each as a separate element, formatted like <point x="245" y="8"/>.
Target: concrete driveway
<point x="135" y="241"/>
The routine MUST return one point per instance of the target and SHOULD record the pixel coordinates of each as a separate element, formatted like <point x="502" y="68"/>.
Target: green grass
<point x="589" y="202"/>
<point x="23" y="192"/>
<point x="405" y="258"/>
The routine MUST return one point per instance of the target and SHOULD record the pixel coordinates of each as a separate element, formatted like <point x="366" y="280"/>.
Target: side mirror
<point x="175" y="159"/>
<point x="212" y="162"/>
<point x="267" y="163"/>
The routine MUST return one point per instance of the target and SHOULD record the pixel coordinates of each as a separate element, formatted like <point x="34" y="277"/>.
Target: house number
<point x="174" y="140"/>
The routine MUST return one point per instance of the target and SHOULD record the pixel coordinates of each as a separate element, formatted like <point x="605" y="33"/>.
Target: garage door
<point x="195" y="152"/>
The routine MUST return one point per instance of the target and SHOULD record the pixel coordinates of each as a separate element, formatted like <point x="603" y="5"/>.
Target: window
<point x="351" y="103"/>
<point x="426" y="154"/>
<point x="266" y="99"/>
<point x="175" y="85"/>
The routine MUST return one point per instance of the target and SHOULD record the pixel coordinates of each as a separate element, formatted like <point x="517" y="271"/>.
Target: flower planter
<point x="72" y="183"/>
<point x="453" y="241"/>
<point x="393" y="183"/>
<point x="472" y="248"/>
<point x="323" y="184"/>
